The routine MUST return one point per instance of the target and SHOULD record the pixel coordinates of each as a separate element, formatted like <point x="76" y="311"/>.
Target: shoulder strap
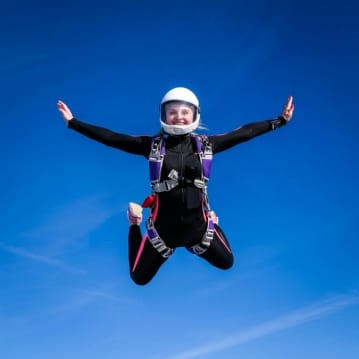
<point x="156" y="158"/>
<point x="204" y="149"/>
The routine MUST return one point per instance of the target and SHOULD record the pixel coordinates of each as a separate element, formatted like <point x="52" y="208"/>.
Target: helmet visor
<point x="175" y="106"/>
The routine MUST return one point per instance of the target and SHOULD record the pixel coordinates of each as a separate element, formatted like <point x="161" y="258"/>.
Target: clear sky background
<point x="288" y="200"/>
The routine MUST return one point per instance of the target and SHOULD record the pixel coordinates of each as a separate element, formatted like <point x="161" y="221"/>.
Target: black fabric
<point x="149" y="261"/>
<point x="180" y="221"/>
<point x="218" y="254"/>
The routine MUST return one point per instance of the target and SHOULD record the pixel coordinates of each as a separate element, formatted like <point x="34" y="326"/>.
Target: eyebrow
<point x="180" y="106"/>
<point x="182" y="110"/>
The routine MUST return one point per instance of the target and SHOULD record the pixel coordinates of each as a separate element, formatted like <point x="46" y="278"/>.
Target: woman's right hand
<point x="65" y="111"/>
<point x="287" y="112"/>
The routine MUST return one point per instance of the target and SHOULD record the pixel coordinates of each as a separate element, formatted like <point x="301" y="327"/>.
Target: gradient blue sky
<point x="288" y="201"/>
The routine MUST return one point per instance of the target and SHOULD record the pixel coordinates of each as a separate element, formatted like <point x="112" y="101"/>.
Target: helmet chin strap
<point x="179" y="129"/>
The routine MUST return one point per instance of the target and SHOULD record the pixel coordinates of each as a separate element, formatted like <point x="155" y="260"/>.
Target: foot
<point x="134" y="213"/>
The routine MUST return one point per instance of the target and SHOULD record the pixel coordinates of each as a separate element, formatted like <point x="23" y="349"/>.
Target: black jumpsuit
<point x="179" y="221"/>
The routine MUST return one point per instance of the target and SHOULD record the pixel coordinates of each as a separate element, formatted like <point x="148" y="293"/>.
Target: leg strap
<point x="207" y="238"/>
<point x="157" y="242"/>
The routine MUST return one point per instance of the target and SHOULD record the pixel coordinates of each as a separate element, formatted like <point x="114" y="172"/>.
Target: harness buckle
<point x="199" y="183"/>
<point x="207" y="238"/>
<point x="157" y="242"/>
<point x="173" y="175"/>
<point x="156" y="153"/>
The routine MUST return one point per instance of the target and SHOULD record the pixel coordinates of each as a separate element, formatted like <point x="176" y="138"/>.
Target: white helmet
<point x="180" y="94"/>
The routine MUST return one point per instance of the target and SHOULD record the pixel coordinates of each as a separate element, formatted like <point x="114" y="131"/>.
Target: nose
<point x="179" y="115"/>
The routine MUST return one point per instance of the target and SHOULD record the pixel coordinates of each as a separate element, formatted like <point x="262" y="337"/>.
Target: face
<point x="179" y="114"/>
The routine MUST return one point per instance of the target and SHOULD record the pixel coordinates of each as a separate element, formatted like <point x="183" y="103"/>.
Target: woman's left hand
<point x="288" y="109"/>
<point x="65" y="111"/>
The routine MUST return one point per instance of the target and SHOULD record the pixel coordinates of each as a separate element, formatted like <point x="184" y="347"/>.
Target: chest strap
<point x="166" y="185"/>
<point x="156" y="157"/>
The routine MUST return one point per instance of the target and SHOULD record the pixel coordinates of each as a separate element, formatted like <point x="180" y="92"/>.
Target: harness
<point x="156" y="157"/>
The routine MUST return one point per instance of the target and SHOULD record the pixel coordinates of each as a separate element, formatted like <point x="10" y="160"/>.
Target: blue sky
<point x="288" y="201"/>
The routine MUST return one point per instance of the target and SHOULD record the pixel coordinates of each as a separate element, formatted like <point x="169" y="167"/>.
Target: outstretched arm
<point x="139" y="145"/>
<point x="249" y="131"/>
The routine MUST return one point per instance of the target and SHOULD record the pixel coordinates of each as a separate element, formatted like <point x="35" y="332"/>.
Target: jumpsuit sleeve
<point x="227" y="140"/>
<point x="138" y="145"/>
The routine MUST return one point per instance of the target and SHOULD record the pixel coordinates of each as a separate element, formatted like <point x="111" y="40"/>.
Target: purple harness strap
<point x="157" y="154"/>
<point x="204" y="150"/>
<point x="158" y="149"/>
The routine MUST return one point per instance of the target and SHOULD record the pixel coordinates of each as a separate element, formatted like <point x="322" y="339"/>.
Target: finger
<point x="289" y="102"/>
<point x="290" y="112"/>
<point x="63" y="106"/>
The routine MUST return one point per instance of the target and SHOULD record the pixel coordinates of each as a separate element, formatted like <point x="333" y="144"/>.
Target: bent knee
<point x="140" y="280"/>
<point x="222" y="262"/>
<point x="227" y="264"/>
